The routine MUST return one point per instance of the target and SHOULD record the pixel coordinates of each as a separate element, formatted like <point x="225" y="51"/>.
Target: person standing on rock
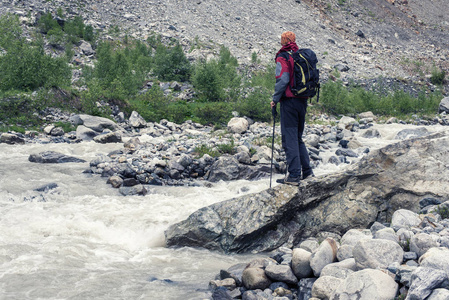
<point x="293" y="113"/>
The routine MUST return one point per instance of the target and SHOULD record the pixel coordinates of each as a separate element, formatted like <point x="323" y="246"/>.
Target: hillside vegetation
<point x="103" y="58"/>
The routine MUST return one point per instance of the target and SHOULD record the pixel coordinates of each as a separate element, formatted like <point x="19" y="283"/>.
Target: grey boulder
<point x="11" y="138"/>
<point x="52" y="157"/>
<point x="405" y="218"/>
<point x="136" y="120"/>
<point x="255" y="278"/>
<point x="324" y="255"/>
<point x="439" y="294"/>
<point x="110" y="137"/>
<point x="421" y="242"/>
<point x="324" y="286"/>
<point x="84" y="133"/>
<point x="444" y="105"/>
<point x="281" y="273"/>
<point x="424" y="280"/>
<point x="301" y="263"/>
<point x="377" y="253"/>
<point x="366" y="284"/>
<point x="97" y="124"/>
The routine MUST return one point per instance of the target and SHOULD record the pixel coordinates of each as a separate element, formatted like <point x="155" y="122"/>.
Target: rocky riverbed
<point x="166" y="153"/>
<point x="405" y="259"/>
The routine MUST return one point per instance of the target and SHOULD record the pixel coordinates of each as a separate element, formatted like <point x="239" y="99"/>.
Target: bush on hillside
<point x="46" y="23"/>
<point x="338" y="99"/>
<point x="16" y="110"/>
<point x="120" y="72"/>
<point x="208" y="82"/>
<point x="70" y="31"/>
<point x="212" y="113"/>
<point x="171" y="63"/>
<point x="26" y="67"/>
<point x="217" y="79"/>
<point x="10" y="31"/>
<point x="150" y="105"/>
<point x="123" y="67"/>
<point x="437" y="76"/>
<point x="256" y="106"/>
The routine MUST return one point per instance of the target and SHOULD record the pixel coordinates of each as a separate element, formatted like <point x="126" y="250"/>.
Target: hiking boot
<point x="289" y="180"/>
<point x="307" y="174"/>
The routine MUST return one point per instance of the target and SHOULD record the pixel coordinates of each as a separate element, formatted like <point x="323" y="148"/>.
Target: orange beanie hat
<point x="287" y="37"/>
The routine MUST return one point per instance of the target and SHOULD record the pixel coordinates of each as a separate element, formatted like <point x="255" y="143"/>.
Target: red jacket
<point x="284" y="72"/>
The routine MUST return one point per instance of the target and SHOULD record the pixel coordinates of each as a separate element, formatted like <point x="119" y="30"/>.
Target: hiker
<point x="293" y="114"/>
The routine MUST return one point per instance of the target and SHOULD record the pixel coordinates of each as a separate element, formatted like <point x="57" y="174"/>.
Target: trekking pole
<point x="274" y="113"/>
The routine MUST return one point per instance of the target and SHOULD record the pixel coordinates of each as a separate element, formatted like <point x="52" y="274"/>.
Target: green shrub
<point x="217" y="79"/>
<point x="26" y="67"/>
<point x="443" y="211"/>
<point x="47" y="23"/>
<point x="89" y="34"/>
<point x="338" y="99"/>
<point x="256" y="106"/>
<point x="405" y="245"/>
<point x="212" y="113"/>
<point x="66" y="99"/>
<point x="208" y="82"/>
<point x="56" y="36"/>
<point x="10" y="32"/>
<point x="150" y="105"/>
<point x="204" y="149"/>
<point x="178" y="111"/>
<point x="260" y="87"/>
<point x="16" y="111"/>
<point x="120" y="71"/>
<point x="71" y="32"/>
<point x="66" y="126"/>
<point x="232" y="81"/>
<point x="74" y="29"/>
<point x="68" y="51"/>
<point x="254" y="59"/>
<point x="264" y="78"/>
<point x="154" y="40"/>
<point x="228" y="148"/>
<point x="171" y="63"/>
<point x="95" y="93"/>
<point x="437" y="76"/>
<point x="335" y="98"/>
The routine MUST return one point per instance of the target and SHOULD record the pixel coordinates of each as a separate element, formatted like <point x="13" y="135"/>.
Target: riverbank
<point x="124" y="235"/>
<point x="166" y="153"/>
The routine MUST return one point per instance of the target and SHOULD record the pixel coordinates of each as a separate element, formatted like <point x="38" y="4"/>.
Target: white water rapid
<point x="83" y="240"/>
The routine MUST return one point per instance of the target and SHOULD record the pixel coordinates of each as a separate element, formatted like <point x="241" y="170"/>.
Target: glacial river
<point x="83" y="240"/>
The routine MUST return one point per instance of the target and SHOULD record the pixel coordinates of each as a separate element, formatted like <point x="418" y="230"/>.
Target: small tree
<point x="208" y="82"/>
<point x="171" y="63"/>
<point x="217" y="79"/>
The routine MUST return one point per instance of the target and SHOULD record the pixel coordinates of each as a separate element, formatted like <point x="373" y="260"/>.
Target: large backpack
<point x="307" y="77"/>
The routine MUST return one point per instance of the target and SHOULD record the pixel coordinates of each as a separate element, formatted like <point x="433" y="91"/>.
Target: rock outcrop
<point x="52" y="157"/>
<point x="394" y="177"/>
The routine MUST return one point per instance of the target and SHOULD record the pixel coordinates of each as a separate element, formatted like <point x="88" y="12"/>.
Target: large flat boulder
<point x="394" y="177"/>
<point x="95" y="123"/>
<point x="52" y="157"/>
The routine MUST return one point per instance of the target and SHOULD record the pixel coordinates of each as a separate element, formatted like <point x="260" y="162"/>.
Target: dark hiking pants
<point x="293" y="115"/>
